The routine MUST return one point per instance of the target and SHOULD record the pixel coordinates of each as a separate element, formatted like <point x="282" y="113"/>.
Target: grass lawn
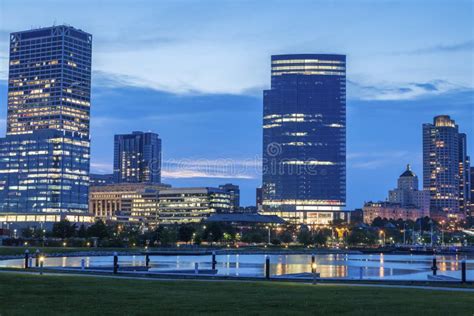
<point x="72" y="295"/>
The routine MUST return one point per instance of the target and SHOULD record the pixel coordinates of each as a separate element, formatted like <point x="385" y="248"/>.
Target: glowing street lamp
<point x="313" y="269"/>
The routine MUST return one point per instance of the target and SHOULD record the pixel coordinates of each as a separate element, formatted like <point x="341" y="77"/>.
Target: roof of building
<point x="246" y="218"/>
<point x="408" y="172"/>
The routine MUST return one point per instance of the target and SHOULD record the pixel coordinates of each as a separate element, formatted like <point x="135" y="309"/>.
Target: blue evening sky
<point x="193" y="71"/>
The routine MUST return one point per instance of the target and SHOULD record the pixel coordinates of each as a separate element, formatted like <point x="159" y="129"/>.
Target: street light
<point x="41" y="261"/>
<point x="442" y="232"/>
<point x="313" y="269"/>
<point x="382" y="233"/>
<point x="268" y="227"/>
<point x="431" y="228"/>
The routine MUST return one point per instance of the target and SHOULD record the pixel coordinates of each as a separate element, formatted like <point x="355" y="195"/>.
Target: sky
<point x="194" y="71"/>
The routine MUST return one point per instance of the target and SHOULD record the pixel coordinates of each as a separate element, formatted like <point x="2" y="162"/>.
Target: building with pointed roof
<point x="407" y="194"/>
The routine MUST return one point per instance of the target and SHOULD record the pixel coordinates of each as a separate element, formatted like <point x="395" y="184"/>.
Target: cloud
<point x="187" y="174"/>
<point x="212" y="168"/>
<point x="444" y="48"/>
<point x="403" y="91"/>
<point x="101" y="167"/>
<point x="373" y="160"/>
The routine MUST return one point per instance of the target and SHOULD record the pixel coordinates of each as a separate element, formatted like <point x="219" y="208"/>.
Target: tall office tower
<point x="464" y="176"/>
<point x="234" y="193"/>
<point x="471" y="186"/>
<point x="44" y="172"/>
<point x="137" y="158"/>
<point x="45" y="165"/>
<point x="49" y="80"/>
<point x="445" y="164"/>
<point x="304" y="138"/>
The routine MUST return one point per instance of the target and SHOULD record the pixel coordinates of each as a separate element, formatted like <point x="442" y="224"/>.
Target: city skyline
<point x="373" y="157"/>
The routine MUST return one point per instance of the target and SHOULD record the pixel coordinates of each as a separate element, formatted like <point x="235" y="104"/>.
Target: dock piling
<point x="463" y="271"/>
<point x="27" y="254"/>
<point x="267" y="268"/>
<point x="214" y="260"/>
<point x="115" y="263"/>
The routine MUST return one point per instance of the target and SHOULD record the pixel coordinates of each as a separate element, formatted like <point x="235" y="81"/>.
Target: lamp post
<point x="269" y="233"/>
<point x="41" y="262"/>
<point x="313" y="268"/>
<point x="431" y="232"/>
<point x="442" y="233"/>
<point x="404" y="233"/>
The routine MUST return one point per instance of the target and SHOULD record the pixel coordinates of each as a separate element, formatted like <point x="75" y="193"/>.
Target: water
<point x="373" y="266"/>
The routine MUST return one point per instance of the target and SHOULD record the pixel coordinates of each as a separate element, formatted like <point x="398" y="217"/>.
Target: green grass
<point x="72" y="295"/>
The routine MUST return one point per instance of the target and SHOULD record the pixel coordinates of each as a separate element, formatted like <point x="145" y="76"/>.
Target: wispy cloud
<point x="403" y="91"/>
<point x="187" y="174"/>
<point x="377" y="159"/>
<point x="212" y="168"/>
<point x="101" y="167"/>
<point x="444" y="48"/>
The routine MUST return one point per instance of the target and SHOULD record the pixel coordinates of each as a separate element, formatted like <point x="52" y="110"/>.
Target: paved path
<point x="417" y="287"/>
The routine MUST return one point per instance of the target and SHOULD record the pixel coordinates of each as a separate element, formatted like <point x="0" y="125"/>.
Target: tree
<point x="286" y="237"/>
<point x="361" y="237"/>
<point x="321" y="237"/>
<point x="379" y="222"/>
<point x="63" y="229"/>
<point x="425" y="223"/>
<point x="185" y="233"/>
<point x="304" y="237"/>
<point x="99" y="230"/>
<point x="161" y="235"/>
<point x="82" y="231"/>
<point x="213" y="232"/>
<point x="27" y="232"/>
<point x="254" y="236"/>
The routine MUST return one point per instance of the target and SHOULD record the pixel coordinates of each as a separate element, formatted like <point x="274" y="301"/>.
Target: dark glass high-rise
<point x="304" y="138"/>
<point x="137" y="158"/>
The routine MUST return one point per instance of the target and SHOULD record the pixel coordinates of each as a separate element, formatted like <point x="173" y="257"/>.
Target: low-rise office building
<point x="388" y="210"/>
<point x="187" y="205"/>
<point x="138" y="203"/>
<point x="105" y="201"/>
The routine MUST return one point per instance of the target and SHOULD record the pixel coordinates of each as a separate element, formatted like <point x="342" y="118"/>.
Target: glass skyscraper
<point x="44" y="159"/>
<point x="137" y="158"/>
<point x="446" y="168"/>
<point x="304" y="138"/>
<point x="44" y="172"/>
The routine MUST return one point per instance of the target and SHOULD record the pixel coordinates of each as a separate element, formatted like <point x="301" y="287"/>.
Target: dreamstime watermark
<point x="273" y="162"/>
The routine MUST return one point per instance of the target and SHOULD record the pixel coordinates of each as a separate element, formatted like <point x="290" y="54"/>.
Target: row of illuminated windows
<point x="308" y="73"/>
<point x="306" y="61"/>
<point x="307" y="67"/>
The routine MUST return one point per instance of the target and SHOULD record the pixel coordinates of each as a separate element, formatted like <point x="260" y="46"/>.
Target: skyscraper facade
<point x="45" y="156"/>
<point x="49" y="80"/>
<point x="137" y="158"/>
<point x="445" y="165"/>
<point x="464" y="176"/>
<point x="471" y="186"/>
<point x="44" y="172"/>
<point x="234" y="193"/>
<point x="304" y="138"/>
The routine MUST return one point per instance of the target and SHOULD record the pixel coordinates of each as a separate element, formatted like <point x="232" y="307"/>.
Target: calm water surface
<point x="409" y="267"/>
